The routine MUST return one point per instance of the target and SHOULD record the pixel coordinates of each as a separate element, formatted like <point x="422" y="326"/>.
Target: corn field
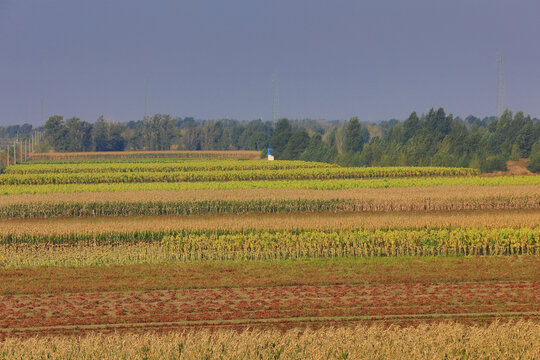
<point x="214" y="207"/>
<point x="314" y="184"/>
<point x="110" y="255"/>
<point x="176" y="166"/>
<point x="239" y="175"/>
<point x="179" y="246"/>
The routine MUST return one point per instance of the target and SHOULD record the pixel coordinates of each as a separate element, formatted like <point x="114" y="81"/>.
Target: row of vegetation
<point x="262" y="173"/>
<point x="151" y="166"/>
<point x="185" y="246"/>
<point x="264" y="206"/>
<point x="334" y="184"/>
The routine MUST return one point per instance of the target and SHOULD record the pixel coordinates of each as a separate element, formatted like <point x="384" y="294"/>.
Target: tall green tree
<point x="354" y="139"/>
<point x="78" y="135"/>
<point x="56" y="133"/>
<point x="281" y="136"/>
<point x="534" y="159"/>
<point x="297" y="144"/>
<point x="410" y="126"/>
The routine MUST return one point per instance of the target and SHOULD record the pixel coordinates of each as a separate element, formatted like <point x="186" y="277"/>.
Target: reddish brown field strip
<point x="227" y="306"/>
<point x="281" y="294"/>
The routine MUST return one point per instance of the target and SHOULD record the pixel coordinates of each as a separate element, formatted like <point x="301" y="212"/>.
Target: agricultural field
<point x="171" y="254"/>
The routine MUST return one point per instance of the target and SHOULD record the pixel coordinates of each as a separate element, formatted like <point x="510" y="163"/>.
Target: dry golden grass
<point x="476" y="219"/>
<point x="401" y="195"/>
<point x="519" y="340"/>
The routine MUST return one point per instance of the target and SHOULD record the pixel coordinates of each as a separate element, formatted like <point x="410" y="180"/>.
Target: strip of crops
<point x="224" y="165"/>
<point x="386" y="220"/>
<point x="262" y="174"/>
<point x="225" y="154"/>
<point x="124" y="161"/>
<point x="335" y="184"/>
<point x="187" y="246"/>
<point x="498" y="341"/>
<point x="404" y="195"/>
<point x="265" y="206"/>
<point x="269" y="273"/>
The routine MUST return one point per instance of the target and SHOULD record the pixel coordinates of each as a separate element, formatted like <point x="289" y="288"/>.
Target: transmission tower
<point x="147" y="98"/>
<point x="275" y="105"/>
<point x="500" y="85"/>
<point x="43" y="108"/>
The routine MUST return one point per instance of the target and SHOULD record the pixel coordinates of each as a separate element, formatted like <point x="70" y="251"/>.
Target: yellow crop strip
<point x="334" y="184"/>
<point x="239" y="175"/>
<point x="144" y="247"/>
<point x="169" y="166"/>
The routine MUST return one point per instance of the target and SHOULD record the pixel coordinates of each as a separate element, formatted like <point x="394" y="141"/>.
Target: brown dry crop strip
<point x="409" y="194"/>
<point x="274" y="201"/>
<point x="244" y="154"/>
<point x="92" y="225"/>
<point x="497" y="341"/>
<point x="260" y="206"/>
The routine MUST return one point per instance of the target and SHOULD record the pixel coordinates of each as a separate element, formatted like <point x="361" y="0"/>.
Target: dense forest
<point x="433" y="138"/>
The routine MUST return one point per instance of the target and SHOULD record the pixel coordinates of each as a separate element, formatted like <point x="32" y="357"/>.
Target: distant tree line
<point x="431" y="139"/>
<point x="12" y="132"/>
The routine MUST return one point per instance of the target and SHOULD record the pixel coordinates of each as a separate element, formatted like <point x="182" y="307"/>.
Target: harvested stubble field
<point x="216" y="295"/>
<point x="224" y="247"/>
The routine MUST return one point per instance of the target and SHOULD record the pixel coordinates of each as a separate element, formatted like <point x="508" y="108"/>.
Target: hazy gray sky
<point x="214" y="59"/>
